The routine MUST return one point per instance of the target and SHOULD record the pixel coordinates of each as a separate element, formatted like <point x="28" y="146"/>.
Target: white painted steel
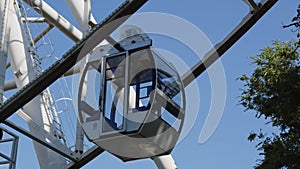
<point x="165" y="162"/>
<point x="81" y="10"/>
<point x="55" y="18"/>
<point x="22" y="67"/>
<point x="3" y="49"/>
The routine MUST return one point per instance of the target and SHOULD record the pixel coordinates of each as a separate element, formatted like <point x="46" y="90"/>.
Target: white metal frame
<point x="256" y="11"/>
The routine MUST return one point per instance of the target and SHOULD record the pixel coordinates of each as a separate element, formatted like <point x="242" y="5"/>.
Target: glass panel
<point x="114" y="94"/>
<point x="132" y="97"/>
<point x="144" y="102"/>
<point x="140" y="89"/>
<point x="115" y="68"/>
<point x="146" y="84"/>
<point x="170" y="119"/>
<point x="144" y="92"/>
<point x="168" y="80"/>
<point x="110" y="93"/>
<point x="89" y="95"/>
<point x="168" y="84"/>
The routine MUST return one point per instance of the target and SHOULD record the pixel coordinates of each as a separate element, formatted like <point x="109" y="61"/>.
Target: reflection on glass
<point x="114" y="94"/>
<point x="140" y="89"/>
<point x="170" y="86"/>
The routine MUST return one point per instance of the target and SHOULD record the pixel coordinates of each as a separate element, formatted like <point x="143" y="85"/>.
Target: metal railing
<point x="10" y="159"/>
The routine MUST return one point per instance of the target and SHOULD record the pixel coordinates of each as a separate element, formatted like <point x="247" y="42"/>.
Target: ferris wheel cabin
<point x="141" y="101"/>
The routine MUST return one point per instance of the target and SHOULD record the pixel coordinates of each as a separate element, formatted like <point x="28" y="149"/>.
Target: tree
<point x="295" y="25"/>
<point x="273" y="92"/>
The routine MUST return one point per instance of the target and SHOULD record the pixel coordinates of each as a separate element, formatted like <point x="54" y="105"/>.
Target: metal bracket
<point x="86" y="157"/>
<point x="253" y="6"/>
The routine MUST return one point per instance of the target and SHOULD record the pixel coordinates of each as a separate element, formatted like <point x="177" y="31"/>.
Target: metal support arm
<point x="42" y="34"/>
<point x="56" y="145"/>
<point x="165" y="162"/>
<point x="54" y="18"/>
<point x="215" y="53"/>
<point x="26" y="133"/>
<point x="69" y="59"/>
<point x="86" y="157"/>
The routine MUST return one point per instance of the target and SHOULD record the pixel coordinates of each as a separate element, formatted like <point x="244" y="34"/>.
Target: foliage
<point x="273" y="92"/>
<point x="295" y="25"/>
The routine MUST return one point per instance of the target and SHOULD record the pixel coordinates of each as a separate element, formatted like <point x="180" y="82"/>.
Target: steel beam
<point x="4" y="162"/>
<point x="34" y="20"/>
<point x="42" y="142"/>
<point x="225" y="45"/>
<point x="42" y="34"/>
<point x="165" y="162"/>
<point x="5" y="157"/>
<point x="14" y="149"/>
<point x="215" y="53"/>
<point x="252" y="4"/>
<point x="86" y="157"/>
<point x="69" y="59"/>
<point x="11" y="84"/>
<point x="56" y="19"/>
<point x="3" y="45"/>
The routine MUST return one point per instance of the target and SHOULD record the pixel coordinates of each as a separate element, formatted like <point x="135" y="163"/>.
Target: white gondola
<point x="141" y="105"/>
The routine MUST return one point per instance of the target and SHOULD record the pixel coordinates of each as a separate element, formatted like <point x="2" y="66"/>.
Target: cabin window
<point x="140" y="90"/>
<point x="114" y="94"/>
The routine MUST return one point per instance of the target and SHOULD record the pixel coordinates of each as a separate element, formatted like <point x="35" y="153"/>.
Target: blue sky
<point x="228" y="146"/>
